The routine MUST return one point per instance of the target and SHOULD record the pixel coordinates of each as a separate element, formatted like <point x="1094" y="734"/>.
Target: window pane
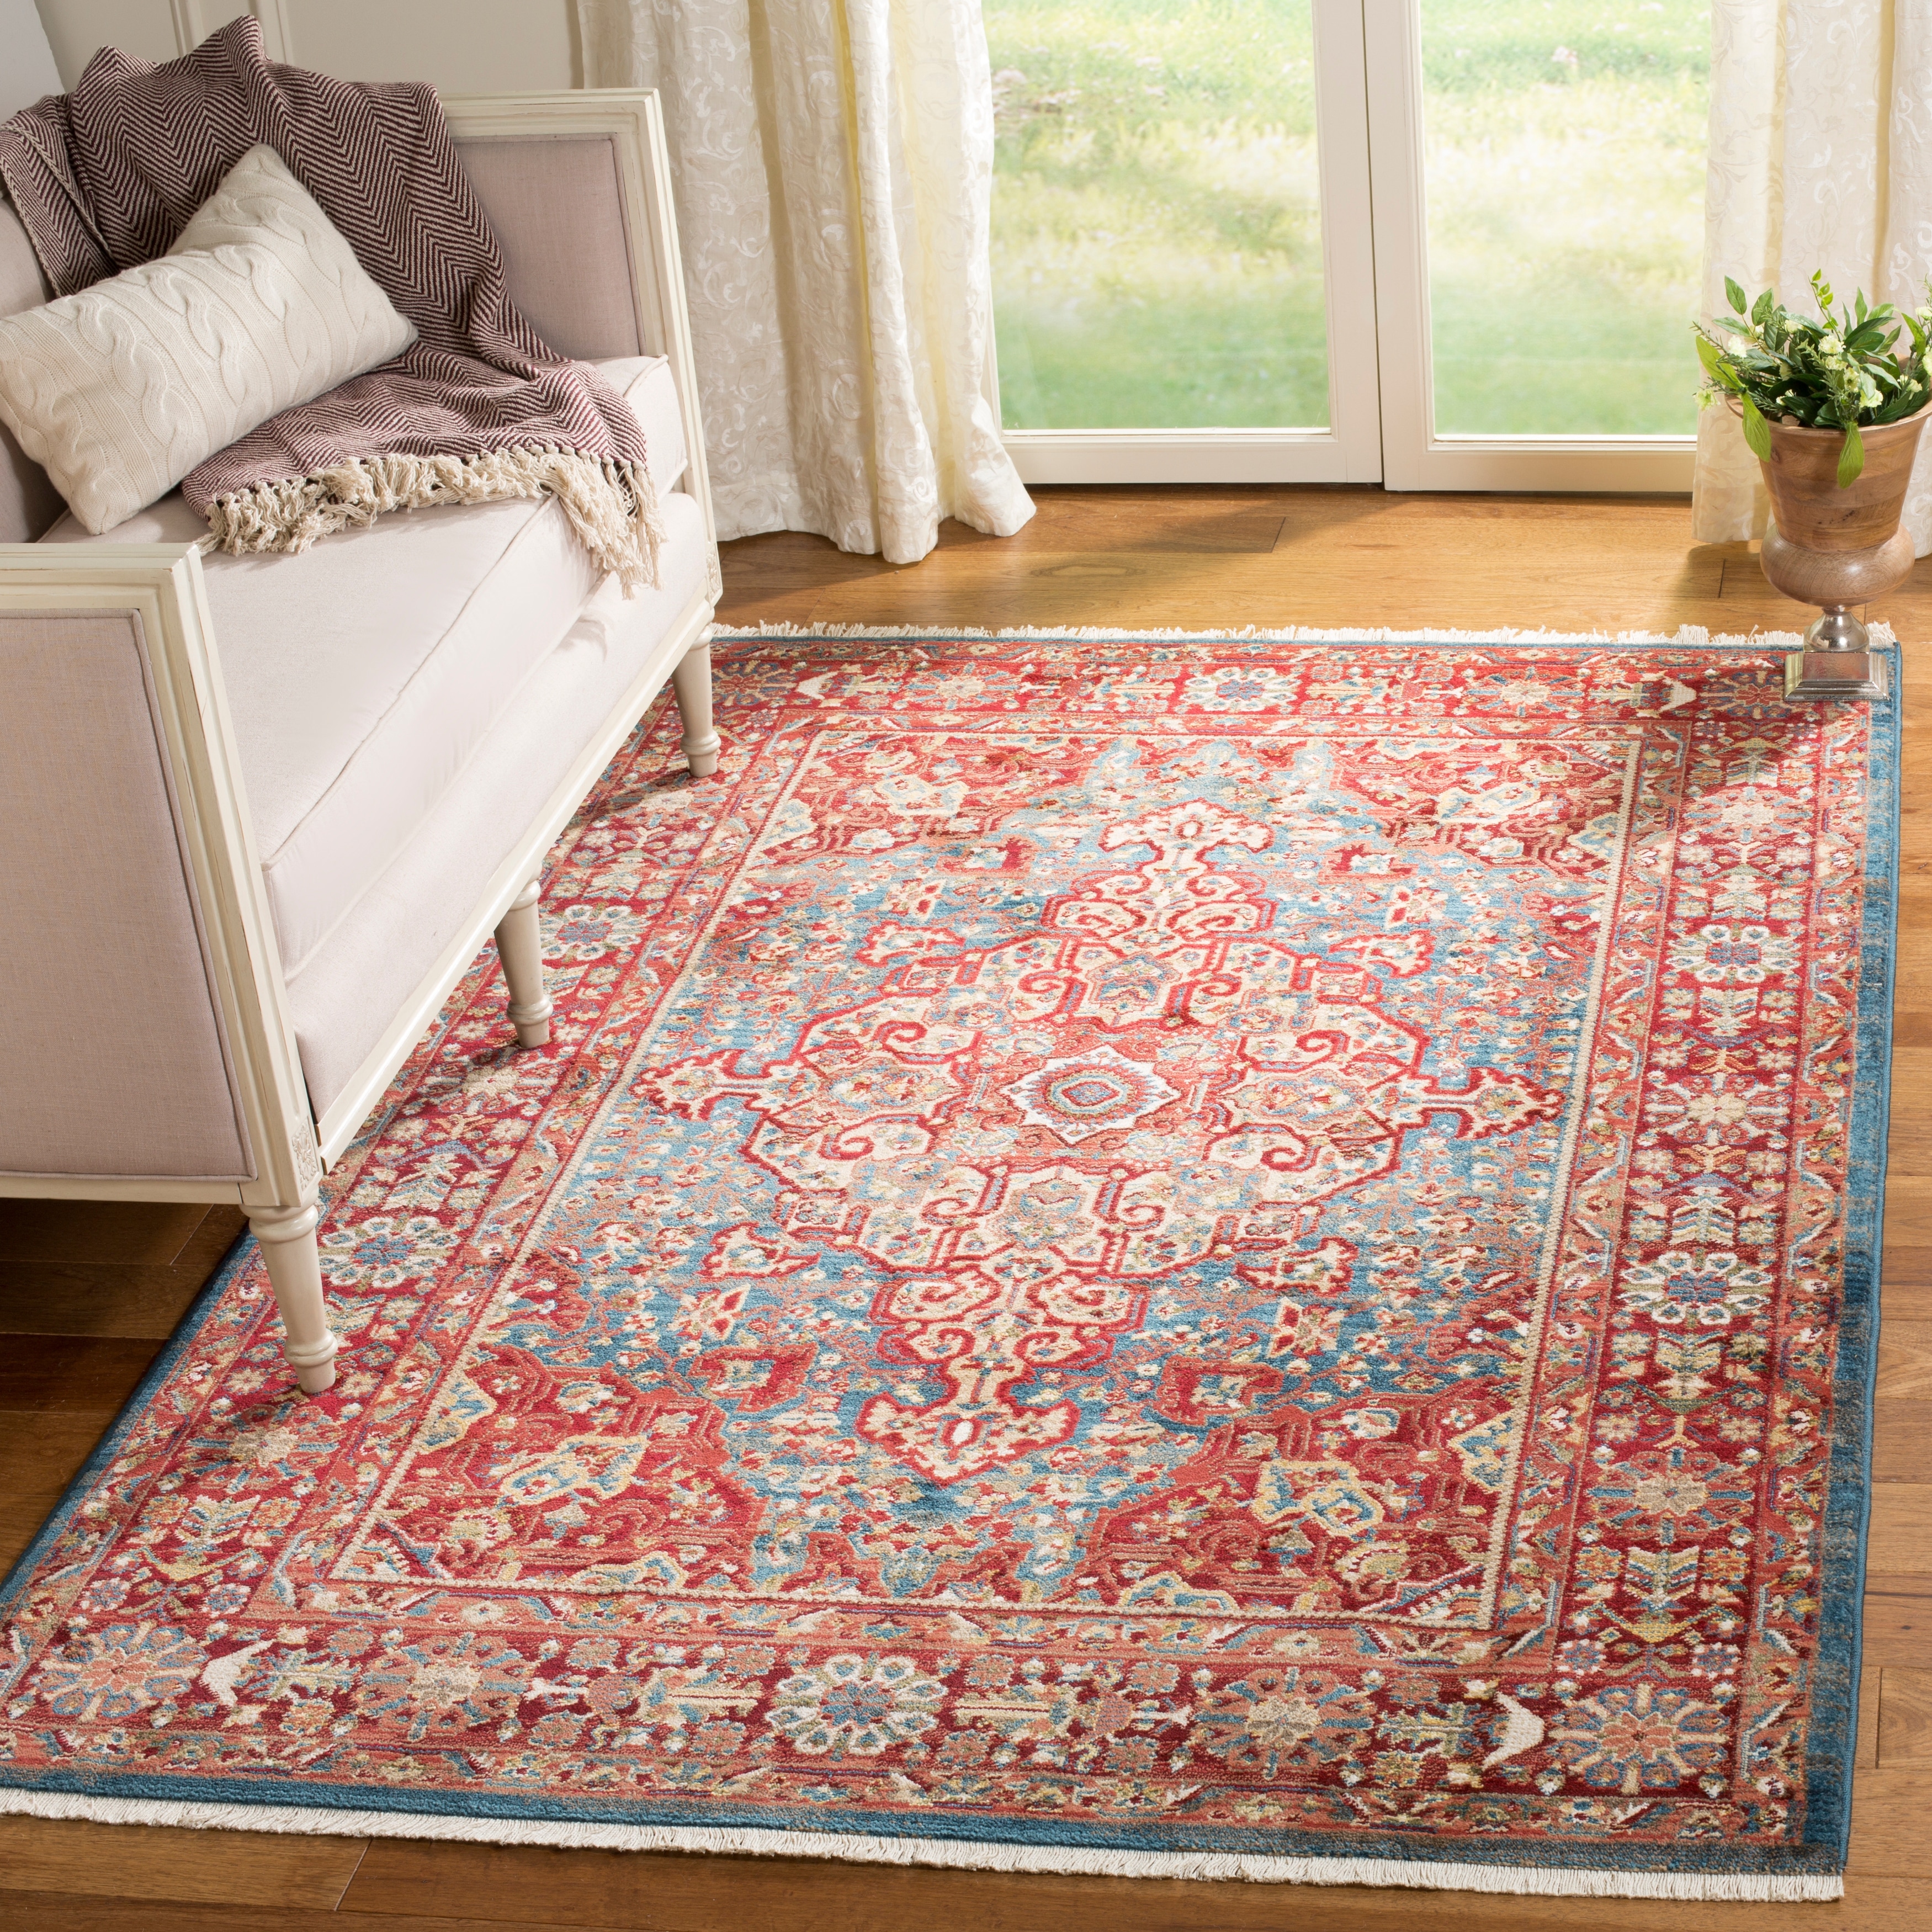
<point x="1565" y="146"/>
<point x="1157" y="232"/>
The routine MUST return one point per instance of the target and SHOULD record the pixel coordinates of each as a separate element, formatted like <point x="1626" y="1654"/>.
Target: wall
<point x="26" y="67"/>
<point x="464" y="46"/>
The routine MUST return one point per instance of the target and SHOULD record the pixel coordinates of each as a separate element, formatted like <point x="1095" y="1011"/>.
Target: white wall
<point x="463" y="46"/>
<point x="26" y="66"/>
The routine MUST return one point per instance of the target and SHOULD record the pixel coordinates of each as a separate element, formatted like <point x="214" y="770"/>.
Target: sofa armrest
<point x="148" y="1037"/>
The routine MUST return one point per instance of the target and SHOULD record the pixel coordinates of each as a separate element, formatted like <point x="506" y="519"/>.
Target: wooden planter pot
<point x="1837" y="548"/>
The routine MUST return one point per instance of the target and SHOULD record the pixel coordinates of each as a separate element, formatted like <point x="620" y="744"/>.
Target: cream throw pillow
<point x="119" y="391"/>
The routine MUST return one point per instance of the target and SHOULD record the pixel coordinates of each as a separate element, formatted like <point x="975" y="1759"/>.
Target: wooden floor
<point x="89" y="1294"/>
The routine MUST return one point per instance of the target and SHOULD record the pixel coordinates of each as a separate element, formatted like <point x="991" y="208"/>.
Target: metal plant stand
<point x="1839" y="659"/>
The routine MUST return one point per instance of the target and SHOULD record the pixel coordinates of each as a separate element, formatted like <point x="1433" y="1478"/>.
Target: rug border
<point x="1830" y="1773"/>
<point x="1829" y="1769"/>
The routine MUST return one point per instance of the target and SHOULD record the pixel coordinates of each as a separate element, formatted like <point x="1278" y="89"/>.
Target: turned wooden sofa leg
<point x="691" y="682"/>
<point x="519" y="946"/>
<point x="295" y="1272"/>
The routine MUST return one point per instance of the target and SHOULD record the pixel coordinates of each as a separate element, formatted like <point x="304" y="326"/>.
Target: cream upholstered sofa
<point x="261" y="813"/>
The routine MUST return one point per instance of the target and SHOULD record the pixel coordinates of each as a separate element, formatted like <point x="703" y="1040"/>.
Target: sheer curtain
<point x="832" y="163"/>
<point x="1821" y="157"/>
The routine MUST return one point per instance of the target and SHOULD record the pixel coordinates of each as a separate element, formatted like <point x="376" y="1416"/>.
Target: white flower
<point x="1830" y="344"/>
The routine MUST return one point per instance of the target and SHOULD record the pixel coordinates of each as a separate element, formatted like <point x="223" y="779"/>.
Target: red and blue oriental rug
<point x="1232" y="1256"/>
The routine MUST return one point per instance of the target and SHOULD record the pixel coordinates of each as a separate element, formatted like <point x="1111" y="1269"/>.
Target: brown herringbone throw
<point x="477" y="408"/>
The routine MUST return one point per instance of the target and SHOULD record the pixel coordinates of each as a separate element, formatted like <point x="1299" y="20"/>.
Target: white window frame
<point x="1415" y="456"/>
<point x="1349" y="450"/>
<point x="1374" y="259"/>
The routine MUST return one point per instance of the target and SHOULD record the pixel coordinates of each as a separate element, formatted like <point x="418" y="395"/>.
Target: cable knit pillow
<point x="119" y="391"/>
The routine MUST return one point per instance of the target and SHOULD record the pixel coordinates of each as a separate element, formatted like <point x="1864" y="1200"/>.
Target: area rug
<point x="1235" y="1256"/>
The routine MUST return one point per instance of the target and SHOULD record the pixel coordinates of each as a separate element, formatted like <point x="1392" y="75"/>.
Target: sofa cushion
<point x="362" y="674"/>
<point x="359" y="979"/>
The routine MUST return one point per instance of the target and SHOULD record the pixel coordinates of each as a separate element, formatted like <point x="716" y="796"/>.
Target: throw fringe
<point x="1689" y="636"/>
<point x="612" y="505"/>
<point x="972" y="1855"/>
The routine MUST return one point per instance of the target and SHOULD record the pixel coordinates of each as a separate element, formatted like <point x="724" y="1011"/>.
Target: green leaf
<point x="1757" y="433"/>
<point x="1736" y="294"/>
<point x="1761" y="309"/>
<point x="1715" y="365"/>
<point x="1852" y="458"/>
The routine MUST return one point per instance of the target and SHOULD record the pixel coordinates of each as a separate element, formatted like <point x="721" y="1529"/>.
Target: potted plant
<point x="1832" y="408"/>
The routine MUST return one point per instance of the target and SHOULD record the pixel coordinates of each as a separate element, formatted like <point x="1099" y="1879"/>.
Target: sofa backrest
<point x="29" y="502"/>
<point x="555" y="206"/>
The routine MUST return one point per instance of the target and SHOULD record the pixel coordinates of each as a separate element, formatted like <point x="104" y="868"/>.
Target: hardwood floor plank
<point x="40" y="1453"/>
<point x="1904" y="1738"/>
<point x="1908" y="1141"/>
<point x="1908" y="1273"/>
<point x="119" y="1234"/>
<point x="1212" y="524"/>
<point x="1900" y="1303"/>
<point x="1146" y="591"/>
<point x="1905" y="1361"/>
<point x="1901" y="1442"/>
<point x="69" y="1298"/>
<point x="99" y="1299"/>
<point x="1908" y="1208"/>
<point x="1900" y="1541"/>
<point x="1889" y="1839"/>
<point x="532" y="1886"/>
<point x="1902" y="1404"/>
<point x="1898" y="1630"/>
<point x="68" y="1911"/>
<point x="150" y="1861"/>
<point x="78" y="1375"/>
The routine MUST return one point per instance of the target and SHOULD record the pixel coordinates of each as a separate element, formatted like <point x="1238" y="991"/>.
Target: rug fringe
<point x="858" y="1848"/>
<point x="1688" y="636"/>
<point x="612" y="506"/>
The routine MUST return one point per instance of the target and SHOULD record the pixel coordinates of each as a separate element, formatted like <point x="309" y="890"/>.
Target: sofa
<point x="262" y="812"/>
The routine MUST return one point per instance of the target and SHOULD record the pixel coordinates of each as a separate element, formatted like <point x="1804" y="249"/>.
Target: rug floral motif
<point x="1122" y="1243"/>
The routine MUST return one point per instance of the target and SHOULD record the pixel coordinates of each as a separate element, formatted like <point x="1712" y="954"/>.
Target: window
<point x="1454" y="243"/>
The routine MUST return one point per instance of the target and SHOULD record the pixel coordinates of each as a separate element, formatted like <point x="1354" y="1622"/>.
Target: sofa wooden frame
<point x="160" y="587"/>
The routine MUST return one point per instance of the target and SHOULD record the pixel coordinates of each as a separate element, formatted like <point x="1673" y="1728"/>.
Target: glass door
<point x="1183" y="279"/>
<point x="1450" y="244"/>
<point x="1538" y="177"/>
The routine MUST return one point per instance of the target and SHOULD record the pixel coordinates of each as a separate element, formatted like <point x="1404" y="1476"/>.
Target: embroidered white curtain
<point x="1821" y="157"/>
<point x="832" y="165"/>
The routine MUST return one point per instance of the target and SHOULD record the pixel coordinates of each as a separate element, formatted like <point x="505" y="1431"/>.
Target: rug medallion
<point x="1131" y="1244"/>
